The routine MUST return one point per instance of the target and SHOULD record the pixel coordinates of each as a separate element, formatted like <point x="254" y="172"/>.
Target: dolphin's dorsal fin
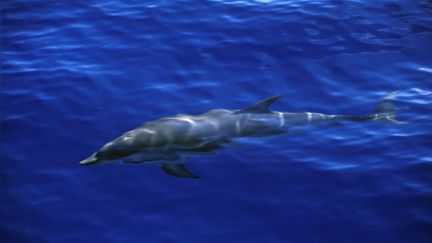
<point x="178" y="170"/>
<point x="261" y="106"/>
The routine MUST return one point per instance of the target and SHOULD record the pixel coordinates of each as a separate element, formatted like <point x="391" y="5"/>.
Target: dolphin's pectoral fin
<point x="261" y="106"/>
<point x="178" y="170"/>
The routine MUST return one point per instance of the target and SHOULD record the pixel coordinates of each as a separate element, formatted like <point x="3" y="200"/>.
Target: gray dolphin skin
<point x="166" y="141"/>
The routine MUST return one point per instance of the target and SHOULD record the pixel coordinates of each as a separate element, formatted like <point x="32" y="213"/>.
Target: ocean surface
<point x="76" y="74"/>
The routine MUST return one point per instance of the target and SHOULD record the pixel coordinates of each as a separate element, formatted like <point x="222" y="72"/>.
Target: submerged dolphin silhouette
<point x="168" y="139"/>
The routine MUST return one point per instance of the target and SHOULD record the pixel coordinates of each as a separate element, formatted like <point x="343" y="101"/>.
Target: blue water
<point x="76" y="74"/>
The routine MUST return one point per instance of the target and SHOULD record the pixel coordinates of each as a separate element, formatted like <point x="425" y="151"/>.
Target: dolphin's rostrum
<point x="167" y="140"/>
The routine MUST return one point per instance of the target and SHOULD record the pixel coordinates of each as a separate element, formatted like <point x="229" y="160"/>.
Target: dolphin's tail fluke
<point x="385" y="110"/>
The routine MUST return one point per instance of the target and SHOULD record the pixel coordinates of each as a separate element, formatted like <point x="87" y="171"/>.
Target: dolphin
<point x="165" y="141"/>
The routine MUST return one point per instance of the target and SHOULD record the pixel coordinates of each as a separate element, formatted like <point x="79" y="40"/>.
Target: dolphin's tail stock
<point x="385" y="110"/>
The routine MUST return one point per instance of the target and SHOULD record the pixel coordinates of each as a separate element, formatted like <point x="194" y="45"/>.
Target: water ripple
<point x="76" y="75"/>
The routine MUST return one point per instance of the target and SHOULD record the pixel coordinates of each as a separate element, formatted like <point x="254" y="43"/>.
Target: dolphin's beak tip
<point x="90" y="160"/>
<point x="84" y="162"/>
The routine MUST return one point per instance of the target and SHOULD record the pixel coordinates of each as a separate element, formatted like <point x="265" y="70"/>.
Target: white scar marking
<point x="281" y="119"/>
<point x="169" y="137"/>
<point x="186" y="119"/>
<point x="148" y="131"/>
<point x="214" y="124"/>
<point x="153" y="139"/>
<point x="238" y="127"/>
<point x="309" y="116"/>
<point x="152" y="133"/>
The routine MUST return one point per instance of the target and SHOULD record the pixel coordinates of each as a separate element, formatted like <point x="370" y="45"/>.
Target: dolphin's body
<point x="168" y="139"/>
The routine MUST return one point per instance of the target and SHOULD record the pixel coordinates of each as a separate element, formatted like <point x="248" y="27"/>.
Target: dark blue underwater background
<point x="76" y="74"/>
